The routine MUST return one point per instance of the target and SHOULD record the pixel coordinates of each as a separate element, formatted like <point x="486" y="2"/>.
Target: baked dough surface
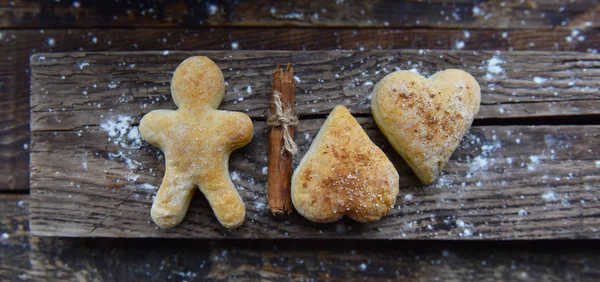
<point x="425" y="119"/>
<point x="344" y="173"/>
<point x="197" y="140"/>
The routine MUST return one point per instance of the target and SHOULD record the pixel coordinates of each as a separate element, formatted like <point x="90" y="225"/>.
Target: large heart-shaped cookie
<point x="344" y="173"/>
<point x="425" y="119"/>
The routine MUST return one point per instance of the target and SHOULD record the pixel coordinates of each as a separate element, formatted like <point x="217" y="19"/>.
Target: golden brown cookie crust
<point x="425" y="119"/>
<point x="197" y="140"/>
<point x="344" y="173"/>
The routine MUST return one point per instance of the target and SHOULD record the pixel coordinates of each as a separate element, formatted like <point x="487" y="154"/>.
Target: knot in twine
<point x="285" y="119"/>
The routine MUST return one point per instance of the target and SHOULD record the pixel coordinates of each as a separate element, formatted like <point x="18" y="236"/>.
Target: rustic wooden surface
<point x="78" y="259"/>
<point x="27" y="257"/>
<point x="324" y="79"/>
<point x="18" y="45"/>
<point x="436" y="13"/>
<point x="541" y="180"/>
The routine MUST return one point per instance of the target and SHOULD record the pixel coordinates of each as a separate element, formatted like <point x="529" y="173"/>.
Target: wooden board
<point x="514" y="84"/>
<point x="504" y="182"/>
<point x="33" y="258"/>
<point x="19" y="44"/>
<point x="364" y="13"/>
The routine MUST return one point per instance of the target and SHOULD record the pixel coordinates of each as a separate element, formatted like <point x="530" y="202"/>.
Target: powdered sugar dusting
<point x="466" y="228"/>
<point x="122" y="133"/>
<point x="539" y="80"/>
<point x="147" y="186"/>
<point x="481" y="162"/>
<point x="549" y="196"/>
<point x="493" y="67"/>
<point x="235" y="176"/>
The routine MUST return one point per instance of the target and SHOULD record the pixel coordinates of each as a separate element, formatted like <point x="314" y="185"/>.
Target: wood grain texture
<point x="75" y="259"/>
<point x="66" y="88"/>
<point x="14" y="236"/>
<point x="353" y="13"/>
<point x="18" y="45"/>
<point x="84" y="185"/>
<point x="14" y="135"/>
<point x="504" y="182"/>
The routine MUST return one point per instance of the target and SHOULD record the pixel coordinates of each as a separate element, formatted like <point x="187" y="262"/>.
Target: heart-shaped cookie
<point x="344" y="173"/>
<point x="425" y="119"/>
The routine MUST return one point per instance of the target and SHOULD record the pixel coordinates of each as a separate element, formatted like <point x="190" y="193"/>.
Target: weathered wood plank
<point x="14" y="236"/>
<point x="474" y="14"/>
<point x="504" y="182"/>
<point x="71" y="90"/>
<point x="18" y="45"/>
<point x="14" y="135"/>
<point x="74" y="259"/>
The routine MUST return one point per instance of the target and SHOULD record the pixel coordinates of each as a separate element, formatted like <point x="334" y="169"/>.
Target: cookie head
<point x="197" y="83"/>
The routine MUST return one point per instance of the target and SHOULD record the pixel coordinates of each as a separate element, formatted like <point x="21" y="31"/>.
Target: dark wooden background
<point x="32" y="26"/>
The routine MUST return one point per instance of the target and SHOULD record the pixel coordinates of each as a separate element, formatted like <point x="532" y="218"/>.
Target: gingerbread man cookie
<point x="197" y="140"/>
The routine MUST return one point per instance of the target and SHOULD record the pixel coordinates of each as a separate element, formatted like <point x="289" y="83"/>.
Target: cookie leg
<point x="172" y="200"/>
<point x="223" y="198"/>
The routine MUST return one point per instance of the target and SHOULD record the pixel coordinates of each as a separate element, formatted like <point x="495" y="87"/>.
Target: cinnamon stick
<point x="280" y="158"/>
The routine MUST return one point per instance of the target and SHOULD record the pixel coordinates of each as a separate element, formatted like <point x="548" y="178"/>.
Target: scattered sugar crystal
<point x="165" y="53"/>
<point x="122" y="133"/>
<point x="83" y="65"/>
<point x="523" y="212"/>
<point x="459" y="44"/>
<point x="549" y="196"/>
<point x="535" y="160"/>
<point x="294" y="15"/>
<point x="260" y="205"/>
<point x="265" y="170"/>
<point x="408" y="197"/>
<point x="147" y="186"/>
<point x="212" y="9"/>
<point x="235" y="176"/>
<point x="51" y="41"/>
<point x="363" y="267"/>
<point x="539" y="80"/>
<point x="493" y="67"/>
<point x="235" y="45"/>
<point x="113" y="84"/>
<point x="132" y="177"/>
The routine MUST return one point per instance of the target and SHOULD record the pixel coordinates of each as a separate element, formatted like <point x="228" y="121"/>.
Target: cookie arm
<point x="236" y="128"/>
<point x="173" y="199"/>
<point x="152" y="124"/>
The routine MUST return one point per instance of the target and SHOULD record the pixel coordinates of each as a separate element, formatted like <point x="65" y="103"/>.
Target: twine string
<point x="285" y="119"/>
